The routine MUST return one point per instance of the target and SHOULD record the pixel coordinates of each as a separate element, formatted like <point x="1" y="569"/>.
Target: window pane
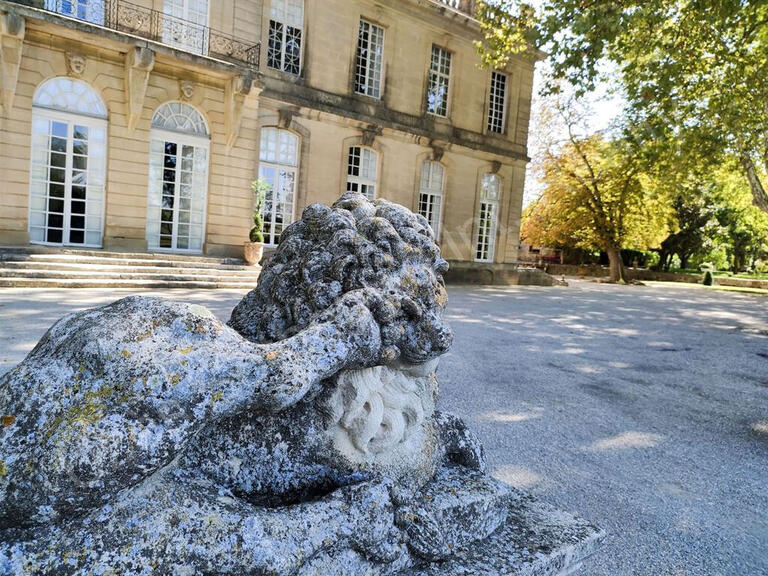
<point x="362" y="168"/>
<point x="439" y="79"/>
<point x="285" y="35"/>
<point x="497" y="102"/>
<point x="370" y="55"/>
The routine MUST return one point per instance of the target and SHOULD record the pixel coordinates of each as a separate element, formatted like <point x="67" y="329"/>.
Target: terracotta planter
<point x="252" y="251"/>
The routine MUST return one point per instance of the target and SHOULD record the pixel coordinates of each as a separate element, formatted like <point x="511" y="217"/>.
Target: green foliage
<point x="594" y="199"/>
<point x="691" y="71"/>
<point x="716" y="258"/>
<point x="508" y="28"/>
<point x="260" y="188"/>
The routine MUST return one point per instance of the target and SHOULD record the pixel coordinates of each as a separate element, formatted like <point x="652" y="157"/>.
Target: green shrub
<point x="260" y="188"/>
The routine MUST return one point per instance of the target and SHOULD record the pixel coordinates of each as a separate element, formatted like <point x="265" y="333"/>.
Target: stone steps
<point x="32" y="267"/>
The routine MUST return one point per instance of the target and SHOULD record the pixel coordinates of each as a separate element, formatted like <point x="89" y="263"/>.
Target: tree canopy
<point x="691" y="69"/>
<point x="594" y="199"/>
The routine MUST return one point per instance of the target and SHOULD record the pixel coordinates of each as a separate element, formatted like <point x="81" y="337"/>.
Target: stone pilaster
<point x="12" y="28"/>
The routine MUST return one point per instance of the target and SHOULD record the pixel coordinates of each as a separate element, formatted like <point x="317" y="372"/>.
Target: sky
<point x="606" y="106"/>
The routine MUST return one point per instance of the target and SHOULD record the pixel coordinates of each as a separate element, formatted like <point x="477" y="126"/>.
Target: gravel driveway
<point x="643" y="409"/>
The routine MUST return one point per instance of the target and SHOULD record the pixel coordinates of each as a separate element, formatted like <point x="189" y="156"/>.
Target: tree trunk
<point x="759" y="197"/>
<point x="616" y="265"/>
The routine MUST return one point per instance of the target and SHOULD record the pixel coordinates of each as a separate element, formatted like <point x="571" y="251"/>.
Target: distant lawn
<point x="742" y="289"/>
<point x="723" y="273"/>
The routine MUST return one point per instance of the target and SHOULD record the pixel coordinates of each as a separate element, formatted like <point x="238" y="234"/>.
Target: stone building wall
<point x="319" y="106"/>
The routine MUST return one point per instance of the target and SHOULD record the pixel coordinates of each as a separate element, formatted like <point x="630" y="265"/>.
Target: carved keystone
<point x="139" y="62"/>
<point x="75" y="63"/>
<point x="12" y="28"/>
<point x="186" y="89"/>
<point x="370" y="133"/>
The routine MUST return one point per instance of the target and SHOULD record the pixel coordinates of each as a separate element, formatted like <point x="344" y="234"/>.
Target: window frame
<point x="432" y="192"/>
<point x="271" y="238"/>
<point x="70" y="119"/>
<point x="181" y="138"/>
<point x="437" y="73"/>
<point x="379" y="92"/>
<point x="359" y="180"/>
<point x="92" y="114"/>
<point x="487" y="234"/>
<point x="283" y="21"/>
<point x="492" y="114"/>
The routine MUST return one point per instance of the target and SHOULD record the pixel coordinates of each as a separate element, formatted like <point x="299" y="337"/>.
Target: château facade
<point x="139" y="126"/>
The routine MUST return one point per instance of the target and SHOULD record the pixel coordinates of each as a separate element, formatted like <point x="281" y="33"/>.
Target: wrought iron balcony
<point x="157" y="26"/>
<point x="466" y="6"/>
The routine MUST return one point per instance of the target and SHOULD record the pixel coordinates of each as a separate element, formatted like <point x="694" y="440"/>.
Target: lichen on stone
<point x="147" y="437"/>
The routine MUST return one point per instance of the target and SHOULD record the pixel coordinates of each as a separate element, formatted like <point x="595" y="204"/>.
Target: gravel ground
<point x="643" y="409"/>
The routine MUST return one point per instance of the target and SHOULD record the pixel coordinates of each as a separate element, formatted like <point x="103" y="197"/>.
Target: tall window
<point x="361" y="171"/>
<point x="68" y="167"/>
<point x="431" y="194"/>
<point x="185" y="24"/>
<point x="439" y="79"/>
<point x="286" y="24"/>
<point x="86" y="10"/>
<point x="178" y="179"/>
<point x="487" y="218"/>
<point x="497" y="102"/>
<point x="370" y="54"/>
<point x="278" y="167"/>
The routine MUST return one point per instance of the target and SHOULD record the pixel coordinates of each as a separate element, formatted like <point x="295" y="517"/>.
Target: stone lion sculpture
<point x="147" y="437"/>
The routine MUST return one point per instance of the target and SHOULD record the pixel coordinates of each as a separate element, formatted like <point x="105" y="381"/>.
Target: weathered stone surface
<point x="457" y="508"/>
<point x="535" y="540"/>
<point x="146" y="437"/>
<point x="356" y="244"/>
<point x="110" y="395"/>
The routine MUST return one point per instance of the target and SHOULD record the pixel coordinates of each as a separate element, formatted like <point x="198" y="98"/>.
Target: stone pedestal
<point x="535" y="540"/>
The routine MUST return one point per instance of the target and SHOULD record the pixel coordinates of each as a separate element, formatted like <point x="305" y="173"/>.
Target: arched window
<point x="278" y="163"/>
<point x="68" y="164"/>
<point x="286" y="25"/>
<point x="180" y="117"/>
<point x="178" y="179"/>
<point x="487" y="218"/>
<point x="431" y="194"/>
<point x="362" y="170"/>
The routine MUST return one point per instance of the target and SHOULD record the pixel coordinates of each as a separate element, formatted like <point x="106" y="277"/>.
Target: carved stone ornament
<point x="139" y="62"/>
<point x="370" y="133"/>
<point x="186" y="89"/>
<point x="12" y="32"/>
<point x="75" y="63"/>
<point x="285" y="117"/>
<point x="495" y="167"/>
<point x="235" y="92"/>
<point x="301" y="438"/>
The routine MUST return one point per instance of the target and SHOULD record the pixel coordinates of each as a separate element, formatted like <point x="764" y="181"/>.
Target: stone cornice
<point x="369" y="113"/>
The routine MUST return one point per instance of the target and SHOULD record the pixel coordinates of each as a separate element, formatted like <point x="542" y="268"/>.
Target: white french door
<point x="67" y="177"/>
<point x="186" y="24"/>
<point x="178" y="183"/>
